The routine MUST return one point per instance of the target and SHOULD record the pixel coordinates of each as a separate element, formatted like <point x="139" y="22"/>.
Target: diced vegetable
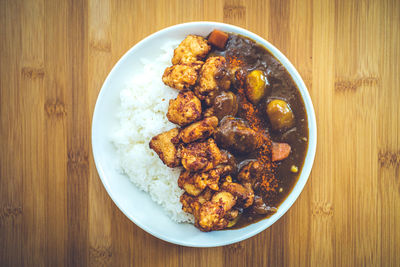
<point x="280" y="115"/>
<point x="255" y="86"/>
<point x="218" y="39"/>
<point x="280" y="151"/>
<point x="294" y="169"/>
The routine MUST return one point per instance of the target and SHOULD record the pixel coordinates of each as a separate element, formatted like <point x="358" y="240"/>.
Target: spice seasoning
<point x="252" y="114"/>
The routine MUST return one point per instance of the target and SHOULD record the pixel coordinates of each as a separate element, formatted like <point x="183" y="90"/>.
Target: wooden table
<point x="55" y="56"/>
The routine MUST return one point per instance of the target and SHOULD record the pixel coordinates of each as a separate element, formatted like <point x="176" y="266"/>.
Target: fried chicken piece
<point x="192" y="204"/>
<point x="164" y="145"/>
<point x="213" y="78"/>
<point x="199" y="130"/>
<point x="211" y="214"/>
<point x="185" y="109"/>
<point x="191" y="49"/>
<point x="188" y="182"/>
<point x="201" y="156"/>
<point x="243" y="192"/>
<point x="182" y="76"/>
<point x="194" y="182"/>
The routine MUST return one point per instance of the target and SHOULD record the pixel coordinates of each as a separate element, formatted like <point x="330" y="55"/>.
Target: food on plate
<point x="212" y="80"/>
<point x="182" y="76"/>
<point x="218" y="39"/>
<point x="199" y="130"/>
<point x="255" y="86"/>
<point x="164" y="144"/>
<point x="280" y="115"/>
<point x="224" y="104"/>
<point x="186" y="108"/>
<point x="191" y="49"/>
<point x="239" y="128"/>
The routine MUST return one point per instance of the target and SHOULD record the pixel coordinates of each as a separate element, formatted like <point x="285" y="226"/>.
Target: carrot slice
<point x="218" y="38"/>
<point x="280" y="151"/>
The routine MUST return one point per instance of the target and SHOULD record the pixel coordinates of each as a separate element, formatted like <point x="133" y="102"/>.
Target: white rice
<point x="144" y="104"/>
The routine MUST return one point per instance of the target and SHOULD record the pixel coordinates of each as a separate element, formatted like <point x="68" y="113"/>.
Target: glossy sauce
<point x="281" y="86"/>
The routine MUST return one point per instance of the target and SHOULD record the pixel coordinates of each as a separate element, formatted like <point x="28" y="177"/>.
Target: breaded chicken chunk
<point x="243" y="192"/>
<point x="182" y="76"/>
<point x="201" y="156"/>
<point x="199" y="130"/>
<point x="211" y="215"/>
<point x="192" y="204"/>
<point x="185" y="109"/>
<point x="187" y="181"/>
<point x="191" y="49"/>
<point x="194" y="182"/>
<point x="213" y="78"/>
<point x="164" y="145"/>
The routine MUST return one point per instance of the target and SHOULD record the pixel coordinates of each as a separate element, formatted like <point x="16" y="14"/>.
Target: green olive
<point x="280" y="115"/>
<point x="255" y="86"/>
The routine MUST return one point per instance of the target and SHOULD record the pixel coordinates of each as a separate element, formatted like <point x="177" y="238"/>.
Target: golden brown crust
<point x="182" y="76"/>
<point x="243" y="192"/>
<point x="185" y="109"/>
<point x="211" y="214"/>
<point x="199" y="130"/>
<point x="165" y="147"/>
<point x="201" y="156"/>
<point x="191" y="49"/>
<point x="208" y="85"/>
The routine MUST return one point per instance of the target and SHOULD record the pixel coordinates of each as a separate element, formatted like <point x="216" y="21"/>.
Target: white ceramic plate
<point x="137" y="205"/>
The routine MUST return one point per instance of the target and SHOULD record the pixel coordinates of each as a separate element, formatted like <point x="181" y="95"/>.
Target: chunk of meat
<point x="192" y="204"/>
<point x="187" y="182"/>
<point x="218" y="39"/>
<point x="199" y="130"/>
<point x="250" y="172"/>
<point x="201" y="156"/>
<point x="164" y="145"/>
<point x="211" y="214"/>
<point x="243" y="192"/>
<point x="185" y="109"/>
<point x="234" y="135"/>
<point x="228" y="160"/>
<point x="280" y="151"/>
<point x="223" y="105"/>
<point x="182" y="76"/>
<point x="213" y="78"/>
<point x="191" y="49"/>
<point x="194" y="183"/>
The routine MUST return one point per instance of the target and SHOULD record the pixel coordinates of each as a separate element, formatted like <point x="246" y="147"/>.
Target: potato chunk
<point x="213" y="78"/>
<point x="201" y="156"/>
<point x="182" y="76"/>
<point x="164" y="145"/>
<point x="199" y="130"/>
<point x="185" y="109"/>
<point x="256" y="84"/>
<point x="280" y="114"/>
<point x="191" y="49"/>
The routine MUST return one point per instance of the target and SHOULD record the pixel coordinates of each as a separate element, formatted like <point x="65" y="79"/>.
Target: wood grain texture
<point x="55" y="56"/>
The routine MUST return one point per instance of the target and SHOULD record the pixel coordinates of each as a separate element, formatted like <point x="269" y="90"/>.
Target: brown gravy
<point x="281" y="86"/>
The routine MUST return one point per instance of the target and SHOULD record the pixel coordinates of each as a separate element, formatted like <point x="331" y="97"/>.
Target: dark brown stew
<point x="281" y="86"/>
<point x="241" y="130"/>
